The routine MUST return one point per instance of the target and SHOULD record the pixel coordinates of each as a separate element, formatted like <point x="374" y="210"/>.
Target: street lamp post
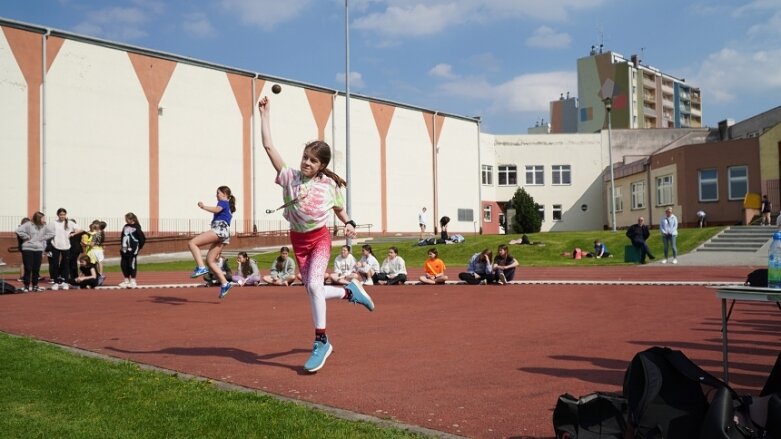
<point x="608" y="101"/>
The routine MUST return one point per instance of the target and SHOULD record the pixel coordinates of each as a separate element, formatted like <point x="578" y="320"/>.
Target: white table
<point x="746" y="294"/>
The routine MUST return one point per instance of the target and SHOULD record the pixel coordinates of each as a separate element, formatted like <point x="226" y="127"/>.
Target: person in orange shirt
<point x="434" y="268"/>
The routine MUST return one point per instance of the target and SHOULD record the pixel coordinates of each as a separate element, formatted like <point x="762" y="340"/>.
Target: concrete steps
<point x="748" y="239"/>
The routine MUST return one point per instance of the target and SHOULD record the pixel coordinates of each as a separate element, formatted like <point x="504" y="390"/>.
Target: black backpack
<point x="594" y="416"/>
<point x="757" y="278"/>
<point x="670" y="397"/>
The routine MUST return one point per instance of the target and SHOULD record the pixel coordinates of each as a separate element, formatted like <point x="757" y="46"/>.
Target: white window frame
<point x="557" y="210"/>
<point x="619" y="200"/>
<point x="487" y="213"/>
<point x="709" y="181"/>
<point x="510" y="172"/>
<point x="741" y="179"/>
<point x="559" y="172"/>
<point x="638" y="195"/>
<point x="664" y="190"/>
<point x="532" y="174"/>
<point x="488" y="175"/>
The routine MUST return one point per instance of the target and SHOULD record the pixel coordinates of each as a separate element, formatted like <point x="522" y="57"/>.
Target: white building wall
<point x="200" y="143"/>
<point x="459" y="175"/>
<point x="409" y="164"/>
<point x="582" y="152"/>
<point x="97" y="141"/>
<point x="13" y="133"/>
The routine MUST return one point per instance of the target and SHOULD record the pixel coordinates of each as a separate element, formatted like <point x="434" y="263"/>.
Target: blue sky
<point x="503" y="60"/>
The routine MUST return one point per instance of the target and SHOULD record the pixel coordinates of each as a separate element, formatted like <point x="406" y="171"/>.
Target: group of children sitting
<point x="482" y="268"/>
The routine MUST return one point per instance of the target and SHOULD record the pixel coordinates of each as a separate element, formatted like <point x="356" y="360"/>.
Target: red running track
<point x="478" y="361"/>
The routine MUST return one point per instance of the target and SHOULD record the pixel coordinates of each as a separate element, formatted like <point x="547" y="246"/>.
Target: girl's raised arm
<point x="264" y="107"/>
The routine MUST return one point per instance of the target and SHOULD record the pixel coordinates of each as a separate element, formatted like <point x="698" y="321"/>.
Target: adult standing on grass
<point x="638" y="234"/>
<point x="218" y="237"/>
<point x="310" y="194"/>
<point x="34" y="235"/>
<point x="669" y="228"/>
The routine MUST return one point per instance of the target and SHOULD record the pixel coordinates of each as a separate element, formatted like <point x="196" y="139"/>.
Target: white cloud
<point x="417" y="18"/>
<point x="266" y="14"/>
<point x="412" y="21"/>
<point x="197" y="24"/>
<point x="547" y="38"/>
<point x="730" y="74"/>
<point x="115" y="23"/>
<point x="356" y="79"/>
<point x="442" y="71"/>
<point x="531" y="92"/>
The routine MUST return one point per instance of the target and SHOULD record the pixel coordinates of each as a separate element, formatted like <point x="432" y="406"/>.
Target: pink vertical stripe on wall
<point x="153" y="74"/>
<point x="383" y="114"/>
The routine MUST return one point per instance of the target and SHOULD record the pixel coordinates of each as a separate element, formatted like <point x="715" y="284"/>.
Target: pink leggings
<point x="313" y="251"/>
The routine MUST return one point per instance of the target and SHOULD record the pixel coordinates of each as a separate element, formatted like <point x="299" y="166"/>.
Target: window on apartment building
<point x="487" y="213"/>
<point x="562" y="174"/>
<point x="466" y="215"/>
<point x="619" y="200"/>
<point x="541" y="211"/>
<point x="638" y="195"/>
<point x="709" y="184"/>
<point x="664" y="190"/>
<point x="488" y="175"/>
<point x="557" y="212"/>
<point x="508" y="175"/>
<point x="535" y="175"/>
<point x="738" y="182"/>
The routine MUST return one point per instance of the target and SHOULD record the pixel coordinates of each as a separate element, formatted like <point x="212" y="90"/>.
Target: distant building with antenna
<point x="643" y="96"/>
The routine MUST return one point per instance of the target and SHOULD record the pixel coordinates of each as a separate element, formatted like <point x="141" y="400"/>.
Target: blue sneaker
<point x="320" y="353"/>
<point x="359" y="295"/>
<point x="199" y="271"/>
<point x="224" y="290"/>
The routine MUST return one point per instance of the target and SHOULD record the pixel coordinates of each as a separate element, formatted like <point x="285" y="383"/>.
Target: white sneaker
<point x="675" y="261"/>
<point x="132" y="284"/>
<point x="664" y="261"/>
<point x="64" y="286"/>
<point x="56" y="287"/>
<point x="124" y="284"/>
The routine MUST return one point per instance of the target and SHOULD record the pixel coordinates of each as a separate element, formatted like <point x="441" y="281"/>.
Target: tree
<point x="527" y="213"/>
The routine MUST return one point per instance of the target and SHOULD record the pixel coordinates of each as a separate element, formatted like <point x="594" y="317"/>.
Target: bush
<point x="527" y="213"/>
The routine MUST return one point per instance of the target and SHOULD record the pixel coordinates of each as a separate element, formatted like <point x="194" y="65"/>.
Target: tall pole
<point x="348" y="199"/>
<point x="609" y="107"/>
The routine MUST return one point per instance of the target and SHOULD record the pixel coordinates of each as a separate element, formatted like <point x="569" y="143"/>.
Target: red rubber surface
<point x="478" y="361"/>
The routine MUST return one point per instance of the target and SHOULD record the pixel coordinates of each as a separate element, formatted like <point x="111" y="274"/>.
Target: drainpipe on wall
<point x="650" y="204"/>
<point x="252" y="158"/>
<point x="435" y="207"/>
<point x="480" y="179"/>
<point x="43" y="121"/>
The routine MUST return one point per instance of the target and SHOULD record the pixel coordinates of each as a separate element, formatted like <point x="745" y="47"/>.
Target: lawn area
<point x="47" y="392"/>
<point x="546" y="252"/>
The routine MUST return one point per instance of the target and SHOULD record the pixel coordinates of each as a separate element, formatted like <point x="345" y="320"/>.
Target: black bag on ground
<point x="7" y="288"/>
<point x="668" y="397"/>
<point x="597" y="415"/>
<point x="757" y="278"/>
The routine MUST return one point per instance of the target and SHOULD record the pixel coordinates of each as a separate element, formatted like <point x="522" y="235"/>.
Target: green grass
<point x="548" y="253"/>
<point x="48" y="392"/>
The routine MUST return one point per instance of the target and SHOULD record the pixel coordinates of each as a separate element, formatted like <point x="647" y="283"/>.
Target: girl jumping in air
<point x="310" y="193"/>
<point x="217" y="237"/>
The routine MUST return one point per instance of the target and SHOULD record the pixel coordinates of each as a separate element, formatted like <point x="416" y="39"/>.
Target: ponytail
<point x="231" y="199"/>
<point x="333" y="176"/>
